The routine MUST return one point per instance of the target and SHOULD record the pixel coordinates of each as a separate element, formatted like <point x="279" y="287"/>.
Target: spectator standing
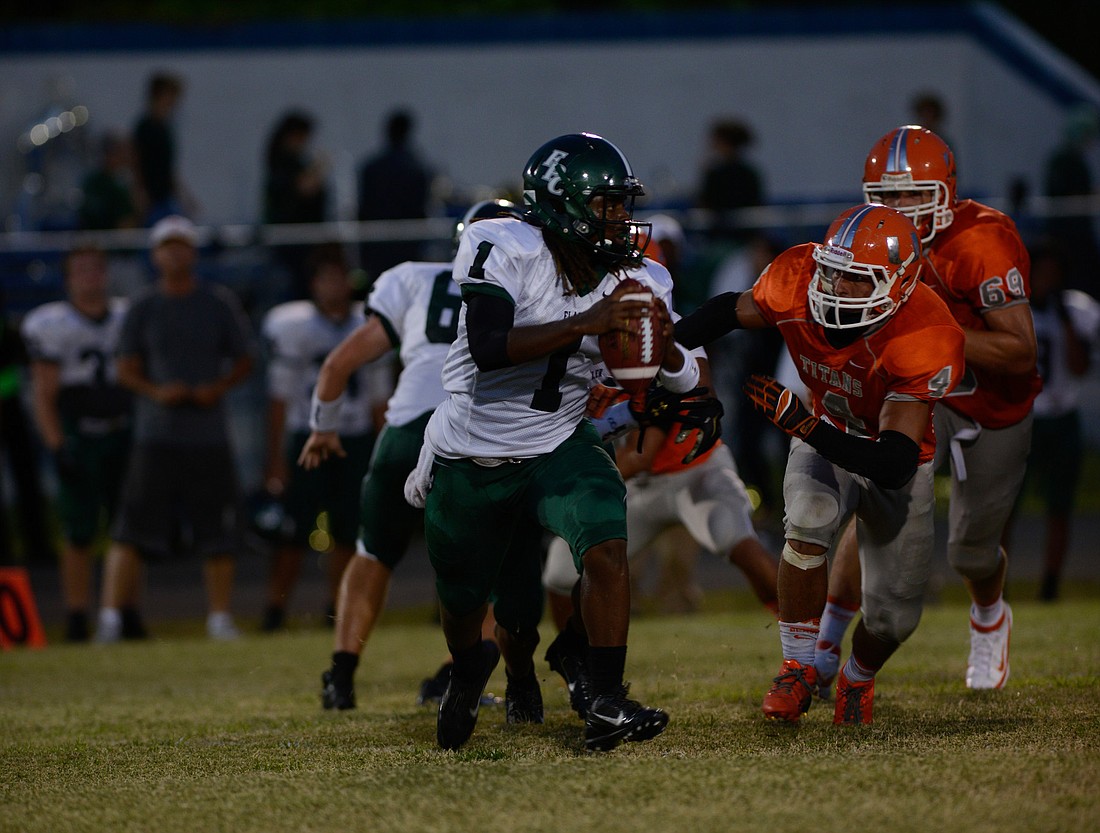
<point x="729" y="181"/>
<point x="1068" y="175"/>
<point x="82" y="415"/>
<point x="183" y="346"/>
<point x="394" y="184"/>
<point x="160" y="191"/>
<point x="107" y="192"/>
<point x="295" y="189"/>
<point x="1067" y="328"/>
<point x="929" y="111"/>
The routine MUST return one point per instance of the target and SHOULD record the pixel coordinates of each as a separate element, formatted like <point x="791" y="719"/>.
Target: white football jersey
<point x="299" y="337"/>
<point x="528" y="409"/>
<point x="1061" y="389"/>
<point x="419" y="304"/>
<point x="83" y="348"/>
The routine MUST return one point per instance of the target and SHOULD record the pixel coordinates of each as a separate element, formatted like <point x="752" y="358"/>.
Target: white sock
<point x="987" y="616"/>
<point x="856" y="673"/>
<point x="835" y="621"/>
<point x="799" y="639"/>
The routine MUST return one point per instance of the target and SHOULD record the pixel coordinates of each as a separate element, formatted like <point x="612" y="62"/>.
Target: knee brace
<point x="801" y="560"/>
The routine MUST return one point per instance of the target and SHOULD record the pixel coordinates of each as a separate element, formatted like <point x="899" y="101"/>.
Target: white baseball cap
<point x="173" y="227"/>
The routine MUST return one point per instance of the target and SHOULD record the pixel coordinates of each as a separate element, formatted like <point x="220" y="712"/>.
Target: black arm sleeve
<point x="488" y="321"/>
<point x="712" y="320"/>
<point x="890" y="462"/>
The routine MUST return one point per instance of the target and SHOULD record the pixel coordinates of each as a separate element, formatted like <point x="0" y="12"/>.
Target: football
<point x="634" y="358"/>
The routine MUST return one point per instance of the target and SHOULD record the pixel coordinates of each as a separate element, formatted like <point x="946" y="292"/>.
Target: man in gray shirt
<point x="184" y="345"/>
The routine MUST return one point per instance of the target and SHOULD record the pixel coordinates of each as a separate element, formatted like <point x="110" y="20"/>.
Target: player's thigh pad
<point x="469" y="517"/>
<point x="650" y="509"/>
<point x="713" y="504"/>
<point x="896" y="538"/>
<point x="518" y="594"/>
<point x="386" y="520"/>
<point x="577" y="493"/>
<point x="981" y="504"/>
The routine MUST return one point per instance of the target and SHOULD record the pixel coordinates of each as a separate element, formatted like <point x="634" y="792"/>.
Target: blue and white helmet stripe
<point x="845" y="236"/>
<point x="899" y="157"/>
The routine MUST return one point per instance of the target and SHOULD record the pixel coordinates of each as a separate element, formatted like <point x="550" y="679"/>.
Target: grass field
<point x="182" y="734"/>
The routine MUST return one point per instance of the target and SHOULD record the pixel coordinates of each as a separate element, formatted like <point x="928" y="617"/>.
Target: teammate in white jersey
<point x="413" y="307"/>
<point x="299" y="335"/>
<point x="1067" y="330"/>
<point x="83" y="418"/>
<point x="509" y="451"/>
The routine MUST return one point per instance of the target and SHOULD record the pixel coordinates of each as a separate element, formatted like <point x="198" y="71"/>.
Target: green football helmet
<point x="559" y="183"/>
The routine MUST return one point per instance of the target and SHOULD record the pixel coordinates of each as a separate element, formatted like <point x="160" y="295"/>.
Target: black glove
<point x="685" y="412"/>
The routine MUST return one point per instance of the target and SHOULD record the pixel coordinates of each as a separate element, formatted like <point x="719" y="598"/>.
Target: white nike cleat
<point x="988" y="663"/>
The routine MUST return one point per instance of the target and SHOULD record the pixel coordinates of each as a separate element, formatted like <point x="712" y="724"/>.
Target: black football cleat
<point x="523" y="699"/>
<point x="570" y="663"/>
<point x="335" y="696"/>
<point x="614" y="719"/>
<point x="461" y="701"/>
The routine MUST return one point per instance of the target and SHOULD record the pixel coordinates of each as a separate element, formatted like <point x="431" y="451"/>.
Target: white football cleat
<point x="988" y="663"/>
<point x="108" y="626"/>
<point x="220" y="626"/>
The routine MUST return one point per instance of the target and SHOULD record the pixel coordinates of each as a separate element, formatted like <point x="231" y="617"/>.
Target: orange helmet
<point x="913" y="158"/>
<point x="867" y="243"/>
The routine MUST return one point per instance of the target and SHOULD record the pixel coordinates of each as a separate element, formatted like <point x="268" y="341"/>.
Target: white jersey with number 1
<point x="531" y="408"/>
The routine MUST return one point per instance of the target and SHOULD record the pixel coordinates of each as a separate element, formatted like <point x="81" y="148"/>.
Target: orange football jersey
<point x="978" y="264"/>
<point x="916" y="355"/>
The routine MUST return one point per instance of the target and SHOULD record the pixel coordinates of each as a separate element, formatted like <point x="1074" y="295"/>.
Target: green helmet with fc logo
<point x="560" y="182"/>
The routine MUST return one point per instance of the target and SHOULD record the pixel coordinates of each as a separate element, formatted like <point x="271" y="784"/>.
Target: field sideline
<point x="182" y="734"/>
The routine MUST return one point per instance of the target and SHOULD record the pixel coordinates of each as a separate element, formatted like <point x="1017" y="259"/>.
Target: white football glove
<point x="419" y="481"/>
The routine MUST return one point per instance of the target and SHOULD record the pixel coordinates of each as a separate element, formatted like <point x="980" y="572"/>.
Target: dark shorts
<point x="1054" y="465"/>
<point x="88" y="500"/>
<point x="476" y="514"/>
<point x="180" y="497"/>
<point x="386" y="521"/>
<point x="332" y="488"/>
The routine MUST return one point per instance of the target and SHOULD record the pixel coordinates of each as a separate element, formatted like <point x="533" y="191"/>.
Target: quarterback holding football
<point x="510" y="450"/>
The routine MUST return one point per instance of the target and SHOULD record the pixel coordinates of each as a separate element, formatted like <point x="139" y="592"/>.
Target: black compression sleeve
<point x="712" y="320"/>
<point x="488" y="321"/>
<point x="890" y="462"/>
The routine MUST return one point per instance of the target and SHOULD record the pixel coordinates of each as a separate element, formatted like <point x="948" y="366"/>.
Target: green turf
<point x="182" y="734"/>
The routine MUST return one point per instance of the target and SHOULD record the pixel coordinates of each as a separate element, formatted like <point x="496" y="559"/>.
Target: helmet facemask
<point x="932" y="214"/>
<point x="867" y="245"/>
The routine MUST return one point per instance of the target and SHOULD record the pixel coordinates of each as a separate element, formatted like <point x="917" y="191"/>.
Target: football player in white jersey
<point x="509" y="450"/>
<point x="83" y="418"/>
<point x="413" y="307"/>
<point x="299" y="335"/>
